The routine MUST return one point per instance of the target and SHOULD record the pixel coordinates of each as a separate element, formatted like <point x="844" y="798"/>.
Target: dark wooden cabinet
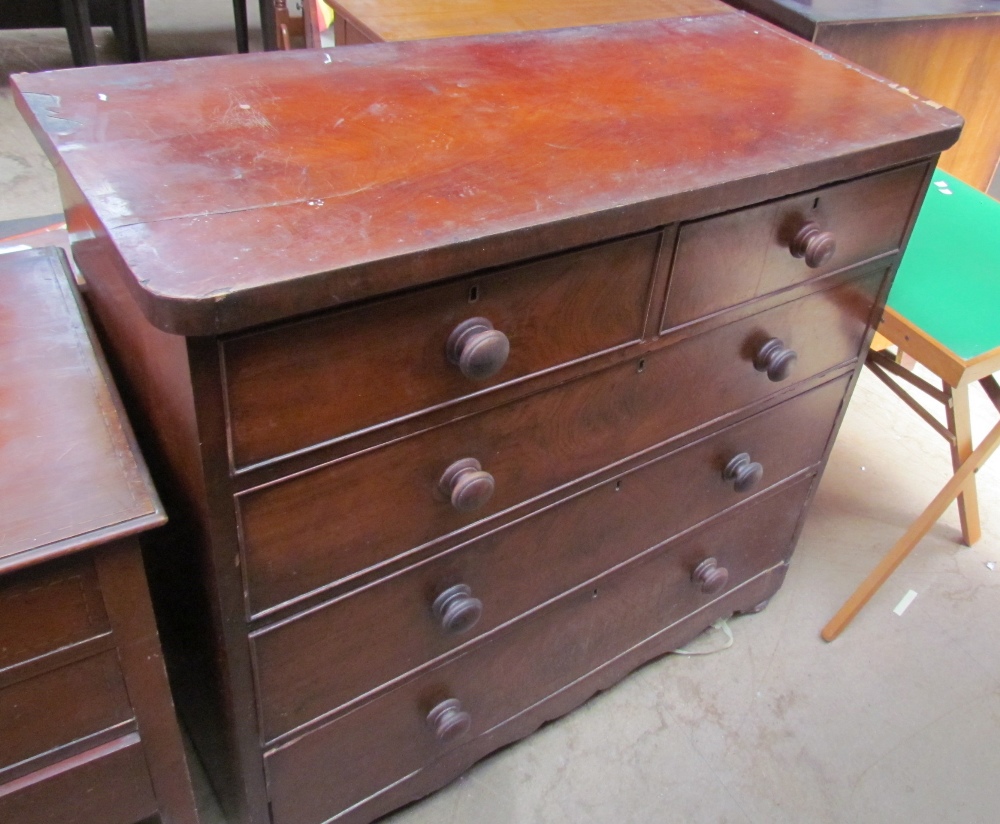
<point x="87" y="726"/>
<point x="945" y="50"/>
<point x="478" y="371"/>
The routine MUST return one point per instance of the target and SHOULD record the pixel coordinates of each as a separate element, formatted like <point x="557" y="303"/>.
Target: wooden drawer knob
<point x="813" y="244"/>
<point x="448" y="720"/>
<point x="467" y="484"/>
<point x="743" y="473"/>
<point x="456" y="610"/>
<point x="710" y="575"/>
<point x="774" y="358"/>
<point x="477" y="349"/>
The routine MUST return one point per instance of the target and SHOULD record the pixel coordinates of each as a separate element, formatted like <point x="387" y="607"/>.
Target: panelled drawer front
<point x="726" y="260"/>
<point x="389" y="738"/>
<point x="315" y="663"/>
<point x="294" y="543"/>
<point x="61" y="706"/>
<point x="45" y="608"/>
<point x="313" y="381"/>
<point x="107" y="785"/>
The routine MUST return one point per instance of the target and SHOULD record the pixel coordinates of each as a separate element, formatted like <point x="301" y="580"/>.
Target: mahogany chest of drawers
<point x="480" y="371"/>
<point x="87" y="727"/>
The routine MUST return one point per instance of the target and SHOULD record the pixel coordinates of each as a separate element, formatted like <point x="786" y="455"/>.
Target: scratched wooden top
<point x="242" y="189"/>
<point x="69" y="475"/>
<point x="419" y="19"/>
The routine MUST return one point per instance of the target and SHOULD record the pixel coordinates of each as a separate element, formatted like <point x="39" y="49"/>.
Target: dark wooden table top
<point x="70" y="477"/>
<point x="419" y="19"/>
<point x="843" y="11"/>
<point x="242" y="189"/>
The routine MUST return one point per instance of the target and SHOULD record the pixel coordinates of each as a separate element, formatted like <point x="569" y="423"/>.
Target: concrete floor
<point x="897" y="721"/>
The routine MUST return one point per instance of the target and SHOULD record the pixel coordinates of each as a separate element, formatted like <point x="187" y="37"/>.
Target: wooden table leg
<point x="920" y="527"/>
<point x="268" y="22"/>
<point x="960" y="423"/>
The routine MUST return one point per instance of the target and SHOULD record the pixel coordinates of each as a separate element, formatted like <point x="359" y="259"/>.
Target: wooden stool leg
<point x="242" y="26"/>
<point x="959" y="422"/>
<point x="918" y="529"/>
<point x="76" y="19"/>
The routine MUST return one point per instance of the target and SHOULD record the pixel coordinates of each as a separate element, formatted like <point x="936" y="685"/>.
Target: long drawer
<point x="42" y="714"/>
<point x="293" y="543"/>
<point x="309" y="382"/>
<point x="402" y="731"/>
<point x="725" y="260"/>
<point x="316" y="662"/>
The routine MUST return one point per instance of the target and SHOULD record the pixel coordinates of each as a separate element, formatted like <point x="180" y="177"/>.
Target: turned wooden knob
<point x="456" y="610"/>
<point x="813" y="244"/>
<point x="743" y="473"/>
<point x="448" y="720"/>
<point x="467" y="484"/>
<point x="477" y="349"/>
<point x="710" y="575"/>
<point x="774" y="358"/>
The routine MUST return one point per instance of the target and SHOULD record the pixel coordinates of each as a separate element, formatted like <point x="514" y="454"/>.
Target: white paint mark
<point x="327" y="59"/>
<point x="946" y="191"/>
<point x="991" y="565"/>
<point x="102" y="97"/>
<point x="905" y="602"/>
<point x="940" y="184"/>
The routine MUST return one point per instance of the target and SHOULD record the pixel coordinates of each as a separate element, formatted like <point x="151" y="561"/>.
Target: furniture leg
<point x="959" y="422"/>
<point x="130" y="29"/>
<point x="918" y="529"/>
<point x="242" y="26"/>
<point x="268" y="23"/>
<point x="76" y="18"/>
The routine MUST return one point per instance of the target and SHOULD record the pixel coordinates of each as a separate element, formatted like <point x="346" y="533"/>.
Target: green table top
<point x="948" y="283"/>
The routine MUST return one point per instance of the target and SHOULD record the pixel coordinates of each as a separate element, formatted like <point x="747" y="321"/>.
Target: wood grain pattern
<point x="943" y="50"/>
<point x="378" y="20"/>
<point x="70" y="479"/>
<point x="723" y="261"/>
<point x="530" y="447"/>
<point x="331" y="139"/>
<point x="318" y="373"/>
<point x="532" y="660"/>
<point x="312" y="664"/>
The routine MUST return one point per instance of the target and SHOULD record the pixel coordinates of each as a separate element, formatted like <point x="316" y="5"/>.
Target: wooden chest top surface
<point x="240" y="190"/>
<point x="407" y="20"/>
<point x="68" y="476"/>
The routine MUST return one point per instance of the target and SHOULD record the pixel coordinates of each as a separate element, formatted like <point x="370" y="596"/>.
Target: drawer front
<point x="314" y="381"/>
<point x="45" y="608"/>
<point x="59" y="707"/>
<point x="390" y="737"/>
<point x="106" y="785"/>
<point x="726" y="260"/>
<point x="294" y="542"/>
<point x="314" y="663"/>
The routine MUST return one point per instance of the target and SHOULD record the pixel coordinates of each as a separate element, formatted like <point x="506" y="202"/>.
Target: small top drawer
<point x="317" y="380"/>
<point x="725" y="260"/>
<point x="47" y="608"/>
